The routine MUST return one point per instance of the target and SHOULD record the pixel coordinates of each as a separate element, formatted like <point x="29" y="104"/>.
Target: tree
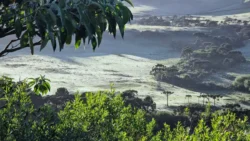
<point x="149" y="104"/>
<point x="60" y="21"/>
<point x="188" y="97"/>
<point x="187" y="52"/>
<point x="167" y="93"/>
<point x="199" y="99"/>
<point x="103" y="116"/>
<point x="203" y="96"/>
<point x="214" y="97"/>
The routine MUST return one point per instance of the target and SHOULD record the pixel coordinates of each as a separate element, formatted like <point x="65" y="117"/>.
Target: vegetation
<point x="104" y="115"/>
<point x="196" y="65"/>
<point x="215" y="97"/>
<point x="242" y="83"/>
<point x="188" y="97"/>
<point x="59" y="22"/>
<point x="101" y="116"/>
<point x="167" y="93"/>
<point x="147" y="104"/>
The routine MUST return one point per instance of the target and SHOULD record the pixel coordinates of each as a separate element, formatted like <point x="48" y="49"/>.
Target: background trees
<point x="101" y="116"/>
<point x="60" y="22"/>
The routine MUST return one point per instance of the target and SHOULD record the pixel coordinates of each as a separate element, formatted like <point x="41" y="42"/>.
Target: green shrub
<point x="101" y="116"/>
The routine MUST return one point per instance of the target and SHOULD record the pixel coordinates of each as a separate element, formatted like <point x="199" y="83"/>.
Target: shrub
<point x="242" y="83"/>
<point x="147" y="104"/>
<point x="62" y="91"/>
<point x="102" y="116"/>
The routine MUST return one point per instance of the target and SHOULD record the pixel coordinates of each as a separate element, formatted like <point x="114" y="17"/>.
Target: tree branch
<point x="14" y="48"/>
<point x="6" y="48"/>
<point x="9" y="31"/>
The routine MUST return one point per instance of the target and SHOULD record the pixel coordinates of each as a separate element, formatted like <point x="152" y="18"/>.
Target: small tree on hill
<point x="214" y="97"/>
<point x="167" y="93"/>
<point x="204" y="96"/>
<point x="188" y="97"/>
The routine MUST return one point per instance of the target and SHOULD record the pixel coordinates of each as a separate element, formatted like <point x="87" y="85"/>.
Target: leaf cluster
<point x="60" y="22"/>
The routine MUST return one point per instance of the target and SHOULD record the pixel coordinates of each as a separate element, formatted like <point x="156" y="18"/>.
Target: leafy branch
<point x="41" y="85"/>
<point x="60" y="22"/>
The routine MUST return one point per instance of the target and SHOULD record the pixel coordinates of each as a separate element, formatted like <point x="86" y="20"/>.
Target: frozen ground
<point x="126" y="63"/>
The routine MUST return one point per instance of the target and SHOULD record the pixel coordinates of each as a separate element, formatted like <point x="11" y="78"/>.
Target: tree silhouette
<point x="203" y="96"/>
<point x="149" y="104"/>
<point x="214" y="97"/>
<point x="199" y="98"/>
<point x="167" y="93"/>
<point x="188" y="97"/>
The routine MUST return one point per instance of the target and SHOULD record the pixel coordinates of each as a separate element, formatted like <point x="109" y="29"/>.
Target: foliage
<point x="167" y="93"/>
<point x="242" y="83"/>
<point x="186" y="52"/>
<point x="62" y="91"/>
<point x="41" y="85"/>
<point x="196" y="65"/>
<point x="215" y="97"/>
<point x="102" y="116"/>
<point x="61" y="21"/>
<point x="147" y="104"/>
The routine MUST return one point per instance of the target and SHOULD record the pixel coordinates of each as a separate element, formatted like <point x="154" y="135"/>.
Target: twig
<point x="6" y="48"/>
<point x="14" y="48"/>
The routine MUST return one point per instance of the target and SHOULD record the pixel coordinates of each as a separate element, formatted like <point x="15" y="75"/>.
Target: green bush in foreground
<point x="100" y="116"/>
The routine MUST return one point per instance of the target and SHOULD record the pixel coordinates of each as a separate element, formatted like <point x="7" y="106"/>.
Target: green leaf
<point x="99" y="36"/>
<point x="126" y="13"/>
<point x="112" y="8"/>
<point x="24" y="39"/>
<point x="83" y="20"/>
<point x="92" y="3"/>
<point x="60" y="11"/>
<point x="121" y="27"/>
<point x="94" y="43"/>
<point x="47" y="85"/>
<point x="41" y="29"/>
<point x="82" y="31"/>
<point x="69" y="27"/>
<point x="68" y="39"/>
<point x="18" y="28"/>
<point x="77" y="40"/>
<point x="44" y="43"/>
<point x="72" y="20"/>
<point x="112" y="27"/>
<point x="129" y="2"/>
<point x="52" y="39"/>
<point x="52" y="15"/>
<point x="31" y="44"/>
<point x="31" y="83"/>
<point x="36" y="89"/>
<point x="62" y="36"/>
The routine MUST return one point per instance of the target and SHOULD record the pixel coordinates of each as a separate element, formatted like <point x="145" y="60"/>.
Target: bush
<point x="100" y="116"/>
<point x="62" y="91"/>
<point x="147" y="104"/>
<point x="242" y="83"/>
